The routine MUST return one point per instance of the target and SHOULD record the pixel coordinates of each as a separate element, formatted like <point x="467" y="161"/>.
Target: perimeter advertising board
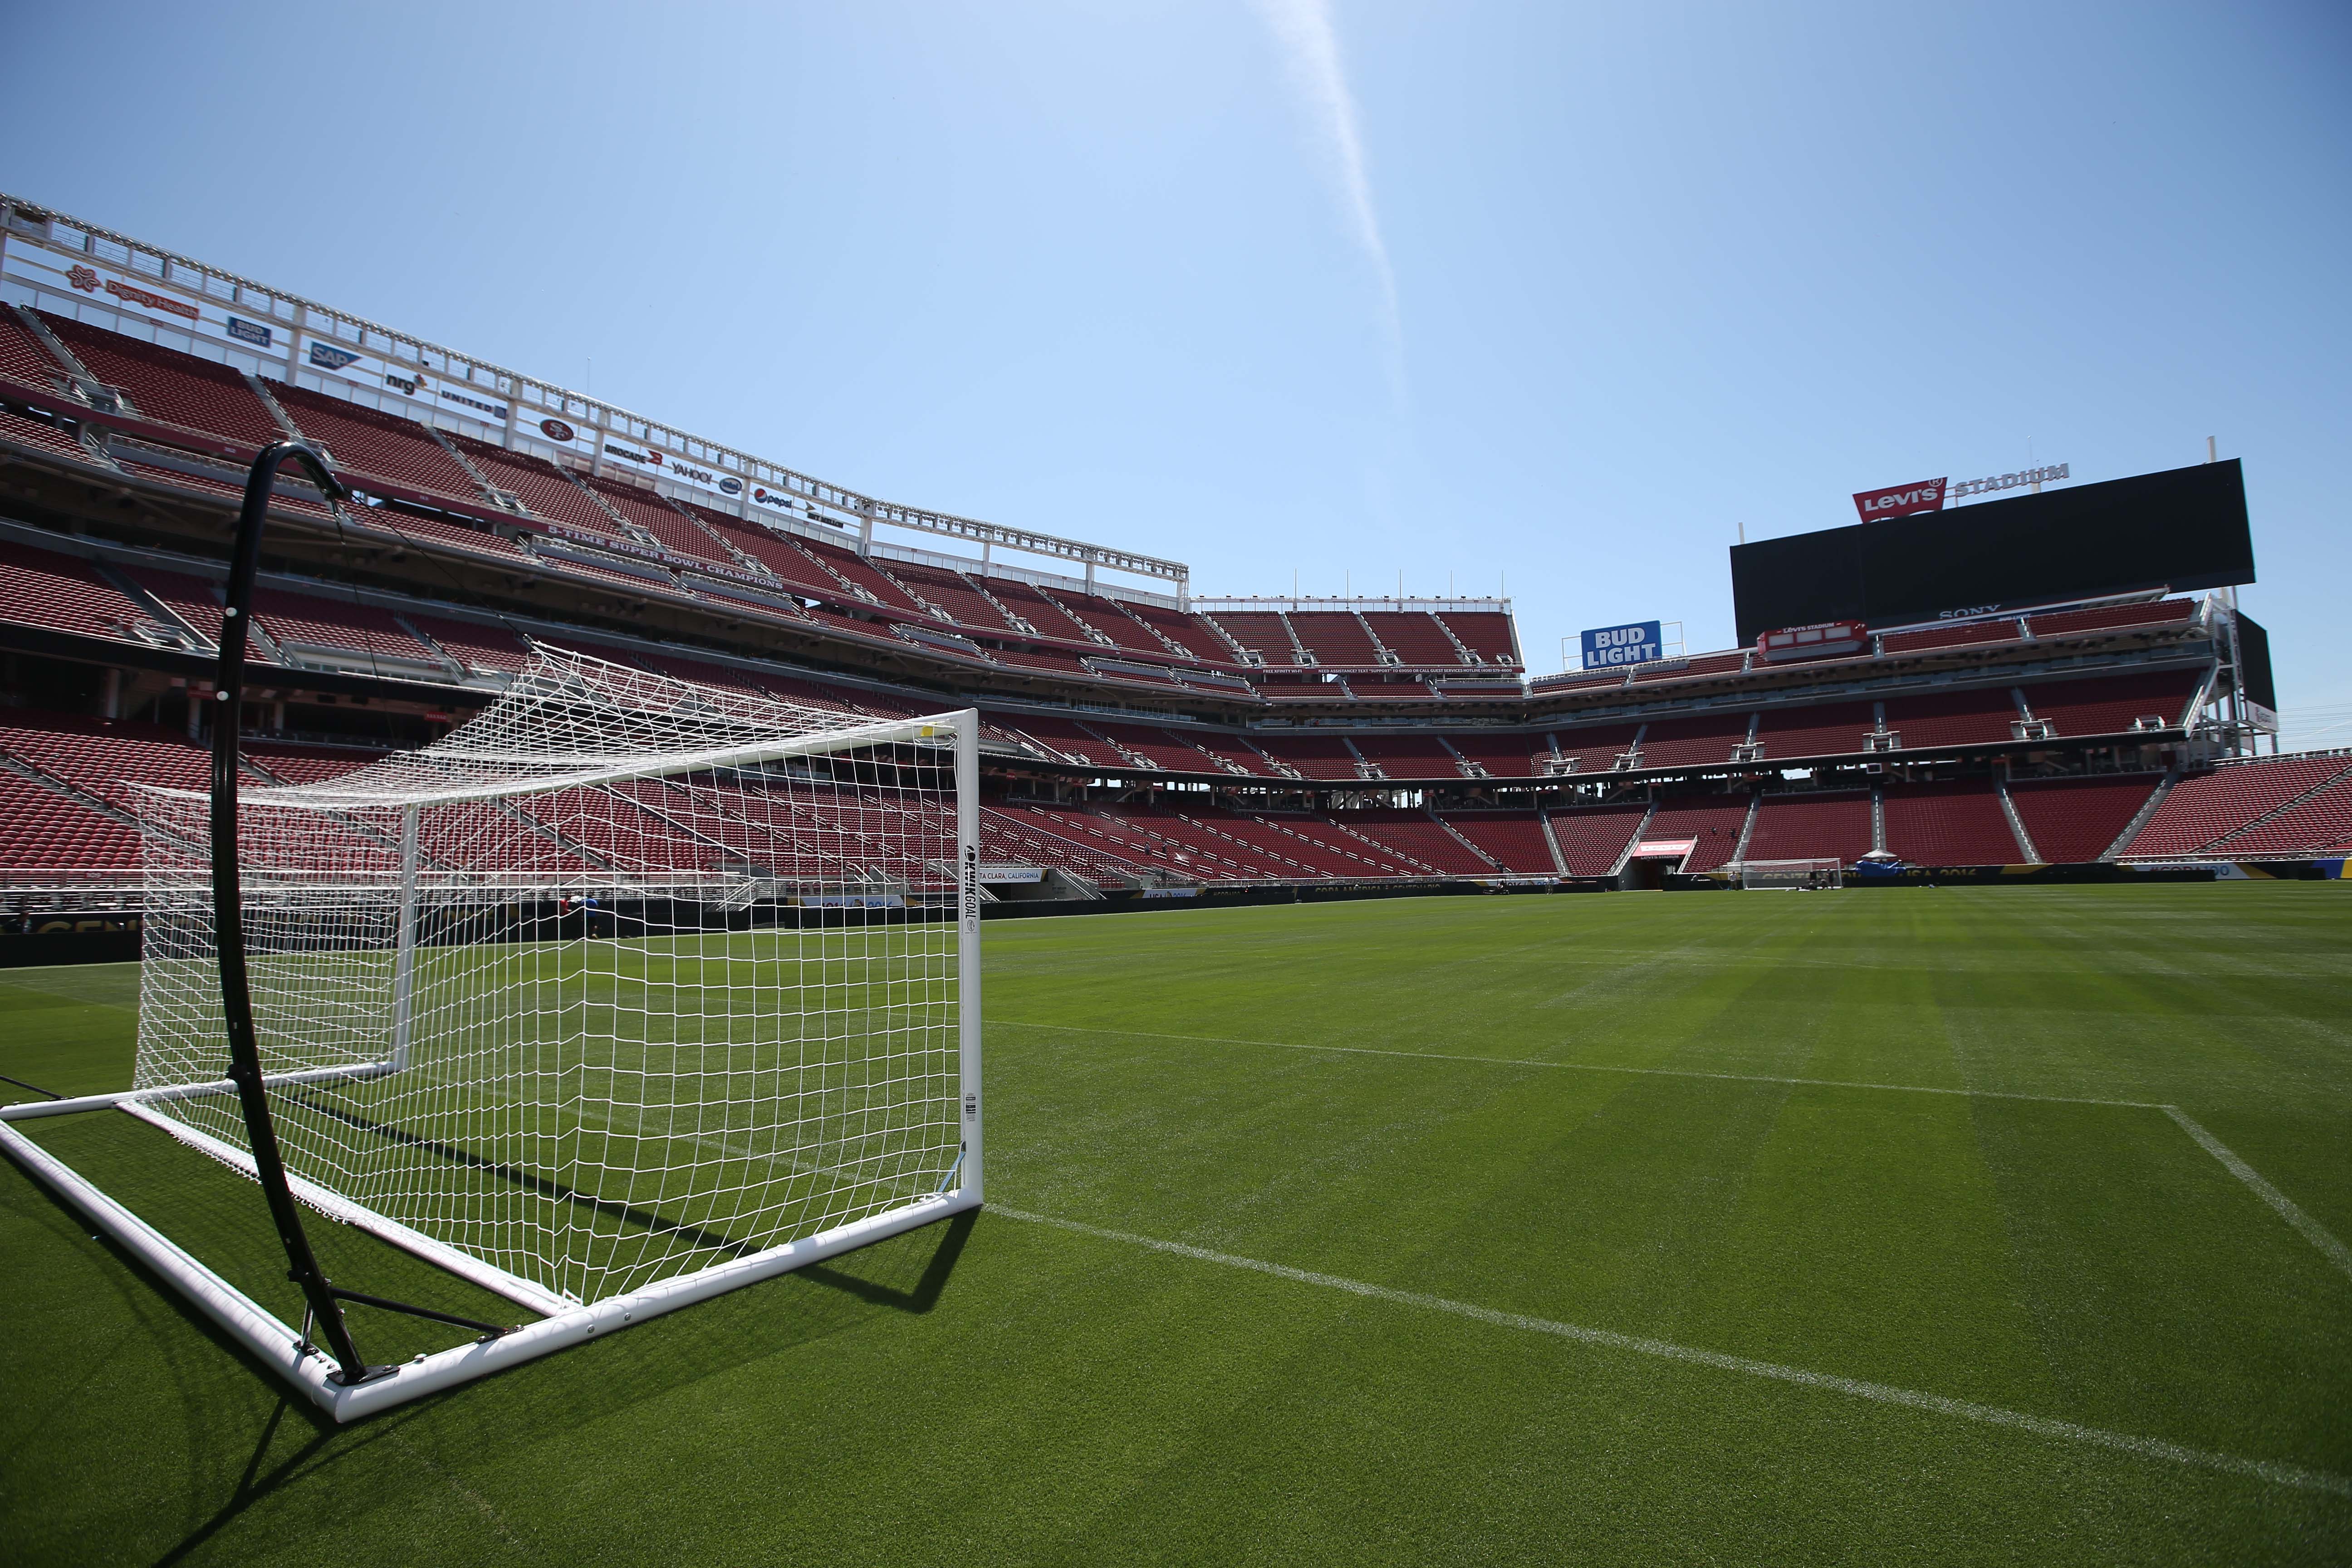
<point x="1611" y="648"/>
<point x="2184" y="528"/>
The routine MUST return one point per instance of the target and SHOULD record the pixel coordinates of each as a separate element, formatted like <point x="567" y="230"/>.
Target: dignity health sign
<point x="1611" y="648"/>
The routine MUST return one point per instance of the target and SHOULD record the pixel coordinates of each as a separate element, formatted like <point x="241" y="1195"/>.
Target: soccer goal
<point x="625" y="993"/>
<point x="1798" y="876"/>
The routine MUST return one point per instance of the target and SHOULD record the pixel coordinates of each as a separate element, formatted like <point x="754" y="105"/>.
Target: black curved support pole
<point x="228" y="907"/>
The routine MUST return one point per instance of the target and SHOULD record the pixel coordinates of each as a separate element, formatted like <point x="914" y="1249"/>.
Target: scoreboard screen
<point x="2184" y="529"/>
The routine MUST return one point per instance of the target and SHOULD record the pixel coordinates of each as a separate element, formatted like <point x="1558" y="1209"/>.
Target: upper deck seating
<point x="1486" y="633"/>
<point x="1713" y="820"/>
<point x="1593" y="839"/>
<point x="1982" y="716"/>
<point x="2113" y="705"/>
<point x="367" y="445"/>
<point x="1260" y="632"/>
<point x="538" y="484"/>
<point x="1065" y="736"/>
<point x="651" y="511"/>
<point x="1414" y="635"/>
<point x="1968" y="634"/>
<point x="1830" y="729"/>
<point x="169" y="388"/>
<point x="193" y="601"/>
<point x="2113" y="617"/>
<point x="1101" y="613"/>
<point x="63" y="593"/>
<point x="1957" y="824"/>
<point x="2073" y="820"/>
<point x="1705" y="664"/>
<point x="1701" y="741"/>
<point x="2206" y="807"/>
<point x="1335" y="638"/>
<point x="1185" y="631"/>
<point x="24" y="359"/>
<point x="1833" y="823"/>
<point x="953" y="592"/>
<point x="305" y="764"/>
<point x="1041" y="611"/>
<point x="853" y="567"/>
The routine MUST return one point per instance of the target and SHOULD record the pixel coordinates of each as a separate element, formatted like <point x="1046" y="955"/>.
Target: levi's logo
<point x="1901" y="500"/>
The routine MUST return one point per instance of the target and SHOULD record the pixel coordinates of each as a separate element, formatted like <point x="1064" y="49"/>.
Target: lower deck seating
<point x="2073" y="820"/>
<point x="2320" y="825"/>
<point x="1593" y="839"/>
<point x="1512" y="839"/>
<point x="1713" y="821"/>
<point x="44" y="831"/>
<point x="1833" y="824"/>
<point x="1418" y="835"/>
<point x="2204" y="808"/>
<point x="1950" y="824"/>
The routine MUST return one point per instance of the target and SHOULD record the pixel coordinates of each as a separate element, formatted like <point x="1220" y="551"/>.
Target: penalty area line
<point x="2310" y="1229"/>
<point x="2154" y="1448"/>
<point x="1594" y="1066"/>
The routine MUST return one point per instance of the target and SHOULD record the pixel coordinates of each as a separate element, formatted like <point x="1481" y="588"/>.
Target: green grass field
<point x="1966" y="1225"/>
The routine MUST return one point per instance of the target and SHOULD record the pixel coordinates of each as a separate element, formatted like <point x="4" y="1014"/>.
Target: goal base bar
<point x="280" y="1348"/>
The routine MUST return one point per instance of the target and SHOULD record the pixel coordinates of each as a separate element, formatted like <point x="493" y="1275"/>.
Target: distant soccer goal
<point x="627" y="992"/>
<point x="1795" y="876"/>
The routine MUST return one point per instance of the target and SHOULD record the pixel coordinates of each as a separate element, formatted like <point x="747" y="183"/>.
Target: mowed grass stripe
<point x="2156" y="1448"/>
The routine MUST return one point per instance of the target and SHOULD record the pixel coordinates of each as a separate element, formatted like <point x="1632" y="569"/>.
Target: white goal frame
<point x="1819" y="872"/>
<point x="286" y="1352"/>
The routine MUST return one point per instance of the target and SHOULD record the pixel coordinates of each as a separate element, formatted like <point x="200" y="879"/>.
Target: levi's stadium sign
<point x="1900" y="501"/>
<point x="1611" y="648"/>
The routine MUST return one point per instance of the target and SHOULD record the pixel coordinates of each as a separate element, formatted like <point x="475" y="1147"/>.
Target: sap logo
<point x="330" y="358"/>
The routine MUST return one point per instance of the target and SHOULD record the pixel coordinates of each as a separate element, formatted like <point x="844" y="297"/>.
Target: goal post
<point x="1801" y="875"/>
<point x="626" y="992"/>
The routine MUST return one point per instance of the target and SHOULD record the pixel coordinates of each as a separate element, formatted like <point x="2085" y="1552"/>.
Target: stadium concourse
<point x="1139" y="741"/>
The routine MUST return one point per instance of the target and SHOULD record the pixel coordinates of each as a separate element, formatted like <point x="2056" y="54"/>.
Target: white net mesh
<point x="623" y="978"/>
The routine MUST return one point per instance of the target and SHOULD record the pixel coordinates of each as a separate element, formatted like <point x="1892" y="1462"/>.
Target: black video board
<point x="2183" y="529"/>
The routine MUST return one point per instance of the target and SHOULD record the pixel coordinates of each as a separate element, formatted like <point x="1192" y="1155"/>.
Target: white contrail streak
<point x="1310" y="47"/>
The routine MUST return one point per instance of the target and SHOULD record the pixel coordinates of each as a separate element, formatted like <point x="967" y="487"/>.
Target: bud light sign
<point x="1610" y="648"/>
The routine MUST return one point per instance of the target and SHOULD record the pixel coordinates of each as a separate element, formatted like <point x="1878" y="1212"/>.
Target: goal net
<point x="620" y="984"/>
<point x="1792" y="875"/>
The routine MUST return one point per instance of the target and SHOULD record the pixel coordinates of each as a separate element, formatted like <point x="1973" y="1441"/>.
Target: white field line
<point x="2156" y="1448"/>
<point x="1594" y="1066"/>
<point x="2310" y="1229"/>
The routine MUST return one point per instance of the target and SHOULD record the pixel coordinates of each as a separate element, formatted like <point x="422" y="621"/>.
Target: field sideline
<point x="1956" y="1226"/>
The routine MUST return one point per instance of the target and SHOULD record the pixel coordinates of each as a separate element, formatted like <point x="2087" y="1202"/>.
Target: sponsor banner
<point x="90" y="280"/>
<point x="1661" y="848"/>
<point x="327" y="357"/>
<point x="1171" y="892"/>
<point x="1637" y="642"/>
<point x="852" y="900"/>
<point x="647" y="459"/>
<point x="246" y="331"/>
<point x="1900" y="501"/>
<point x="1012" y="873"/>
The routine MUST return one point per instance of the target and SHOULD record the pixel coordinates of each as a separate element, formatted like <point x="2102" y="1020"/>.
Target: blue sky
<point x="1540" y="294"/>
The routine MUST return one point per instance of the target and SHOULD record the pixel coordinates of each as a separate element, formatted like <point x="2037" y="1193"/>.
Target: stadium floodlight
<point x="1795" y="876"/>
<point x="625" y="993"/>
